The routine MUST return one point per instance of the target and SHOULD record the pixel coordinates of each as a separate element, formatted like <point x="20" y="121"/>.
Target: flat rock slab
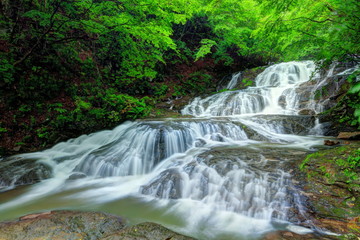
<point x="349" y="135"/>
<point x="74" y="225"/>
<point x="146" y="231"/>
<point x="285" y="235"/>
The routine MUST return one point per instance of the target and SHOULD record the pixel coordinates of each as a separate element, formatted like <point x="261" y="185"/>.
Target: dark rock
<point x="170" y="178"/>
<point x="16" y="171"/>
<point x="330" y="143"/>
<point x="17" y="148"/>
<point x="306" y="112"/>
<point x="77" y="175"/>
<point x="300" y="125"/>
<point x="282" y="101"/>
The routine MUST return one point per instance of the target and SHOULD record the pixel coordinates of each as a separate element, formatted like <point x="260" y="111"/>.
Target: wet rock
<point x="332" y="195"/>
<point x="17" y="149"/>
<point x="16" y="171"/>
<point x="74" y="225"/>
<point x="282" y="101"/>
<point x="300" y="125"/>
<point x="349" y="135"/>
<point x="285" y="235"/>
<point x="59" y="225"/>
<point x="200" y="143"/>
<point x="77" y="175"/>
<point x="146" y="231"/>
<point x="254" y="135"/>
<point x="306" y="112"/>
<point x="330" y="143"/>
<point x="167" y="185"/>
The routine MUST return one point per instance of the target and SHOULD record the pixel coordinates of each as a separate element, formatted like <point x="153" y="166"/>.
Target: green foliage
<point x="25" y="108"/>
<point x="206" y="45"/>
<point x="160" y="89"/>
<point x="246" y="82"/>
<point x="338" y="164"/>
<point x="82" y="105"/>
<point x="43" y="132"/>
<point x="233" y="23"/>
<point x="347" y="110"/>
<point x="197" y="82"/>
<point x="307" y="29"/>
<point x="223" y="90"/>
<point x="355" y="92"/>
<point x="110" y="107"/>
<point x="100" y="58"/>
<point x="6" y="71"/>
<point x="178" y="91"/>
<point x="351" y="166"/>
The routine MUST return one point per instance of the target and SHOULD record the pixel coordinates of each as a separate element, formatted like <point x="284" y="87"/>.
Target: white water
<point x="234" y="80"/>
<point x="276" y="81"/>
<point x="210" y="178"/>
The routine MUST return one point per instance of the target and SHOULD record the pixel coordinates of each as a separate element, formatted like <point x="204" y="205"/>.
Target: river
<point x="224" y="173"/>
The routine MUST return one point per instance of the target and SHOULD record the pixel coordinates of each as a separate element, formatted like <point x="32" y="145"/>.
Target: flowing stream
<point x="223" y="174"/>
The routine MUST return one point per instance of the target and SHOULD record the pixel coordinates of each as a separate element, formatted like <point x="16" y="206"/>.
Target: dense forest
<point x="69" y="67"/>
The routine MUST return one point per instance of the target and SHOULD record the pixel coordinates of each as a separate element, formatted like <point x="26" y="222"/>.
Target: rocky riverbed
<point x="331" y="202"/>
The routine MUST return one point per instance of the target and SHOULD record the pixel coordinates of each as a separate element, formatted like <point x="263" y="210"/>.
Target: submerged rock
<point x="16" y="171"/>
<point x="77" y="175"/>
<point x="74" y="225"/>
<point x="172" y="188"/>
<point x="285" y="124"/>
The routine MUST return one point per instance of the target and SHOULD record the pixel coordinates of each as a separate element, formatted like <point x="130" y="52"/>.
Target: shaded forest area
<point x="77" y="66"/>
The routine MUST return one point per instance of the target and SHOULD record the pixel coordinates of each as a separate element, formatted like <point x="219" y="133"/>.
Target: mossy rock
<point x="333" y="194"/>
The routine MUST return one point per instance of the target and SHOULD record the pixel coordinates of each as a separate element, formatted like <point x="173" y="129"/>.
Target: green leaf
<point x="205" y="48"/>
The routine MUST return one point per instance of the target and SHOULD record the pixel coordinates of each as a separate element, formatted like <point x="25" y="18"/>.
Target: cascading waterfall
<point x="220" y="176"/>
<point x="277" y="83"/>
<point x="234" y="80"/>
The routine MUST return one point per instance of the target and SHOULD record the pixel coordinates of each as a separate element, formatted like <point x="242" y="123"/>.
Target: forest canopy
<point x="129" y="38"/>
<point x="76" y="60"/>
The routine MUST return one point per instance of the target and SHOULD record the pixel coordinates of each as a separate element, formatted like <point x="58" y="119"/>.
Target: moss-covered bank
<point x="332" y="185"/>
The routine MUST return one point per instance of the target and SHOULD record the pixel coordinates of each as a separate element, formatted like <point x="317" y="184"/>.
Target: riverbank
<point x="185" y="163"/>
<point x="331" y="183"/>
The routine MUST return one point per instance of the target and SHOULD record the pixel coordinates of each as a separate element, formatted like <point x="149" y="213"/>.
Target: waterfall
<point x="221" y="175"/>
<point x="234" y="80"/>
<point x="275" y="93"/>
